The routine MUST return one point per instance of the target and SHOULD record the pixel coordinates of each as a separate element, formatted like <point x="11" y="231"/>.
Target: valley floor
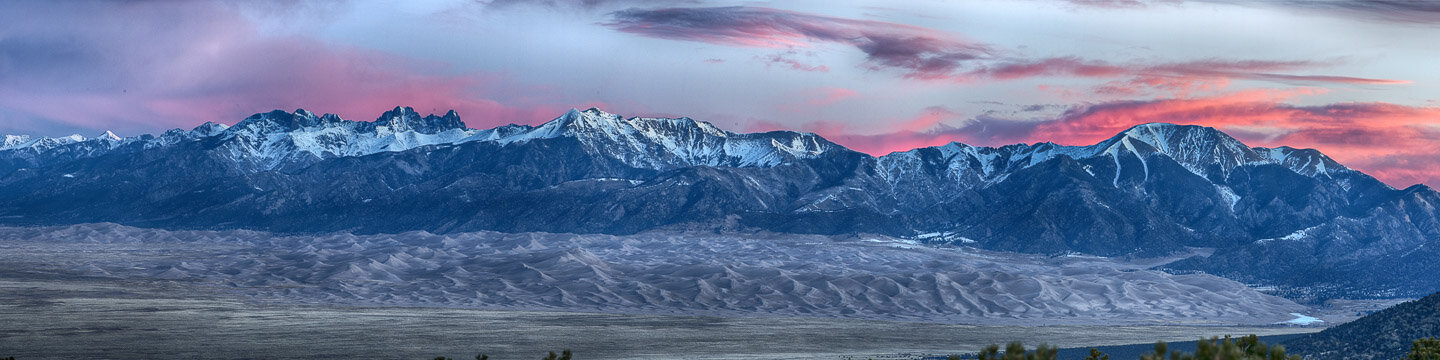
<point x="109" y="291"/>
<point x="52" y="318"/>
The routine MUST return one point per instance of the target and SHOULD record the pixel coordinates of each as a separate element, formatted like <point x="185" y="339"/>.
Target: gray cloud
<point x="919" y="52"/>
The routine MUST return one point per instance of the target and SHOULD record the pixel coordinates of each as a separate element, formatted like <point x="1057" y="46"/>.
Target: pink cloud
<point x="925" y="129"/>
<point x="212" y="64"/>
<point x="928" y="120"/>
<point x="1180" y="79"/>
<point x="829" y="95"/>
<point x="881" y="144"/>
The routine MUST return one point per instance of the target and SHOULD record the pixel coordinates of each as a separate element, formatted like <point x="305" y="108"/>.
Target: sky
<point x="1354" y="79"/>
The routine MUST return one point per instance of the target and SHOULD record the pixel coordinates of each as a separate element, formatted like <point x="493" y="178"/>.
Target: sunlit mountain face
<point x="1154" y="189"/>
<point x="1347" y="78"/>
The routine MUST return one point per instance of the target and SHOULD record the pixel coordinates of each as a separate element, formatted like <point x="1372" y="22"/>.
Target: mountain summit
<point x="1152" y="189"/>
<point x="661" y="143"/>
<point x="406" y="119"/>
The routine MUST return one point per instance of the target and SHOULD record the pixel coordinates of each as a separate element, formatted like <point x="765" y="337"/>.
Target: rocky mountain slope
<point x="1152" y="189"/>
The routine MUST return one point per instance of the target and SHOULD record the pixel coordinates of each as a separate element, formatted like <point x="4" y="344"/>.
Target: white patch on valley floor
<point x="1302" y="319"/>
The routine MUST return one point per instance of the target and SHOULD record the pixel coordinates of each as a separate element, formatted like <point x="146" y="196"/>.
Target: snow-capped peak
<point x="14" y="141"/>
<point x="39" y="144"/>
<point x="107" y="135"/>
<point x="597" y="112"/>
<point x="42" y="144"/>
<point x="1173" y="140"/>
<point x="402" y="119"/>
<point x="1201" y="150"/>
<point x="594" y="122"/>
<point x="663" y="143"/>
<point x="209" y="129"/>
<point x="278" y="139"/>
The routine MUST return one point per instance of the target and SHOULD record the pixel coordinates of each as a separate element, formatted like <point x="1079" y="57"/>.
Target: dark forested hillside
<point x="1387" y="334"/>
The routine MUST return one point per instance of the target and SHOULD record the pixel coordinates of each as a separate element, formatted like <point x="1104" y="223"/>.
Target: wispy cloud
<point x="1386" y="11"/>
<point x="916" y="51"/>
<point x="1114" y="4"/>
<point x="787" y="59"/>
<point x="1178" y="77"/>
<point x="923" y="53"/>
<point x="1392" y="11"/>
<point x="577" y="4"/>
<point x="135" y="66"/>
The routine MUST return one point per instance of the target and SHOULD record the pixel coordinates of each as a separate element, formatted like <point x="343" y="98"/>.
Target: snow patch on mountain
<point x="1294" y="236"/>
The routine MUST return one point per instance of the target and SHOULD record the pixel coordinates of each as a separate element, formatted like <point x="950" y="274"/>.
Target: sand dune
<point x="693" y="273"/>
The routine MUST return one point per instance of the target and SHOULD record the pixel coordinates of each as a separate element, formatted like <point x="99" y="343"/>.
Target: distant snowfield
<point x="650" y="273"/>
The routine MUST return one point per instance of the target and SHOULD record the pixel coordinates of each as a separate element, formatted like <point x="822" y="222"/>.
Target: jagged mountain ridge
<point x="283" y="141"/>
<point x="275" y="135"/>
<point x="1151" y="189"/>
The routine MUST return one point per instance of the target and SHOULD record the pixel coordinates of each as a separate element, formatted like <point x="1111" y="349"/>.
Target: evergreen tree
<point x="1245" y="348"/>
<point x="1424" y="349"/>
<point x="1016" y="351"/>
<point x="1095" y="354"/>
<point x="1159" y="354"/>
<point x="991" y="352"/>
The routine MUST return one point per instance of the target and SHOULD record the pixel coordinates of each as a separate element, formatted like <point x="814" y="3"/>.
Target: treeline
<point x="1244" y="348"/>
<point x="564" y="355"/>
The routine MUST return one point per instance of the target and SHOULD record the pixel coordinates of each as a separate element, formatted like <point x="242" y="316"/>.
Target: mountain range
<point x="1292" y="219"/>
